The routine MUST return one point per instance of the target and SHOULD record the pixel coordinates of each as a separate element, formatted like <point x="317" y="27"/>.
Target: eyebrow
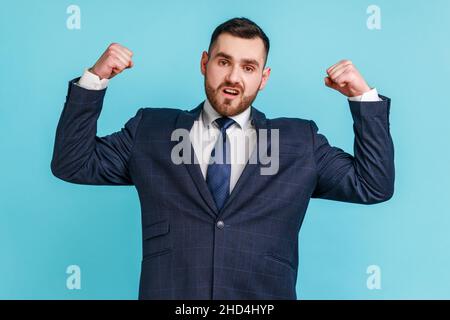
<point x="246" y="61"/>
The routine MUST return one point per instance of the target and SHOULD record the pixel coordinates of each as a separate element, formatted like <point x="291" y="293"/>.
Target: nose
<point x="234" y="75"/>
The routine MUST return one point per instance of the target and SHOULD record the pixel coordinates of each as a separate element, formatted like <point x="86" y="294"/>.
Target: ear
<point x="265" y="78"/>
<point x="203" y="62"/>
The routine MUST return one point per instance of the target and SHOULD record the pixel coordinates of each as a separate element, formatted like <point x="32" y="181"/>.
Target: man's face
<point x="234" y="73"/>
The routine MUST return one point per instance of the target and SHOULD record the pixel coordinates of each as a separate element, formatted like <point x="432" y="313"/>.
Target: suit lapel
<point x="185" y="121"/>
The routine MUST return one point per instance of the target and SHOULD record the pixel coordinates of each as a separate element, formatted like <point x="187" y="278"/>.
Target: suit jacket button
<point x="220" y="224"/>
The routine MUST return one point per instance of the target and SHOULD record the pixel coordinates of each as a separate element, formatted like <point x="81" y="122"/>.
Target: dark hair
<point x="242" y="28"/>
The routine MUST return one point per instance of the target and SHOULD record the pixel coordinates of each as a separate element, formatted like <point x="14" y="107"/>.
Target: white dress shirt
<point x="205" y="132"/>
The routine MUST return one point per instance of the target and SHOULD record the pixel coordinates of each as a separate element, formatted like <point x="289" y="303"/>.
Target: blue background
<point x="47" y="224"/>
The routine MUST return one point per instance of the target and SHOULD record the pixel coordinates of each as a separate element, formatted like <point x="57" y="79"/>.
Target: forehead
<point x="239" y="48"/>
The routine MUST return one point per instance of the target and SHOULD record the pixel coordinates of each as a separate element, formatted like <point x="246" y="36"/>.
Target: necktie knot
<point x="224" y="123"/>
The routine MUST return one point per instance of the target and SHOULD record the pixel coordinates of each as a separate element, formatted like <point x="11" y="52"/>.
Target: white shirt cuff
<point x="368" y="96"/>
<point x="91" y="81"/>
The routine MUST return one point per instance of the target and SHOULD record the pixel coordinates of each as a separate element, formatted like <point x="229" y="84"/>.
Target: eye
<point x="248" y="69"/>
<point x="223" y="62"/>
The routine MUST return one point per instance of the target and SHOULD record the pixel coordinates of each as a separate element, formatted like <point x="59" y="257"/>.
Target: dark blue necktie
<point x="219" y="171"/>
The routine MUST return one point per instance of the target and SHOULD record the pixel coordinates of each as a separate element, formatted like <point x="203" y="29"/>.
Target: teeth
<point x="231" y="91"/>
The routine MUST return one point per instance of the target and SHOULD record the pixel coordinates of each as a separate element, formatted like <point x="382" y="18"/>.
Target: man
<point x="223" y="229"/>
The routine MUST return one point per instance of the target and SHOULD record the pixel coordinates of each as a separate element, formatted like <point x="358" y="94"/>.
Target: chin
<point x="230" y="110"/>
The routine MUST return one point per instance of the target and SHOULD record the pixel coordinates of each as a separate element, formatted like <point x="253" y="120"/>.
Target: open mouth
<point x="230" y="93"/>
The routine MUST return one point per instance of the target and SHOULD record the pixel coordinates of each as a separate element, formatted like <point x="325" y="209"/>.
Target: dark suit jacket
<point x="249" y="249"/>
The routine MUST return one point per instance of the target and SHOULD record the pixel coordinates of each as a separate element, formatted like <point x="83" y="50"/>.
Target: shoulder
<point x="292" y="127"/>
<point x="160" y="117"/>
<point x="160" y="113"/>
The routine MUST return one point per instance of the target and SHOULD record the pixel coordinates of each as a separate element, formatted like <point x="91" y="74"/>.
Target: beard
<point x="228" y="107"/>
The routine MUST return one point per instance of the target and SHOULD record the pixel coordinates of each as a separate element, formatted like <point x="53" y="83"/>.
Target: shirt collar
<point x="209" y="115"/>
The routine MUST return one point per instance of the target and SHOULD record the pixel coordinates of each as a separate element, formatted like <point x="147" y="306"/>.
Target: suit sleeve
<point x="368" y="176"/>
<point x="79" y="155"/>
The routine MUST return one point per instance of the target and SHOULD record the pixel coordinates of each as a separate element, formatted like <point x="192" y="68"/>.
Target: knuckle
<point x="127" y="52"/>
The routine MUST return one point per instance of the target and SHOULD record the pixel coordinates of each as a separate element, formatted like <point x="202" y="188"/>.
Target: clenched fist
<point x="345" y="78"/>
<point x="113" y="61"/>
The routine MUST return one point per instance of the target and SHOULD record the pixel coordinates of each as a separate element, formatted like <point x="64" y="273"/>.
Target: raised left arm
<point x="366" y="177"/>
